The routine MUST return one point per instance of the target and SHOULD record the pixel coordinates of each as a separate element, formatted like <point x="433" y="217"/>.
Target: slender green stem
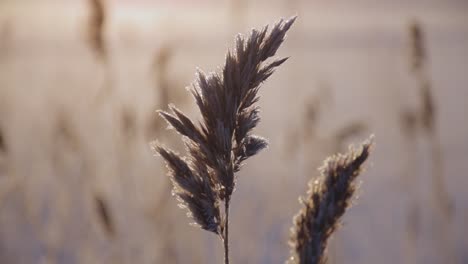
<point x="226" y="232"/>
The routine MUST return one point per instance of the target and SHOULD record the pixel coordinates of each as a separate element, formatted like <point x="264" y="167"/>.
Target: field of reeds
<point x="85" y="86"/>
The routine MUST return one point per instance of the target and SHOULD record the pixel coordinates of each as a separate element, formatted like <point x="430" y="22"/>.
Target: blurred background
<point x="80" y="81"/>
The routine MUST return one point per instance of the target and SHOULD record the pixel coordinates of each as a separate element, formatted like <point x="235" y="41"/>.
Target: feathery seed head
<point x="219" y="145"/>
<point x="327" y="199"/>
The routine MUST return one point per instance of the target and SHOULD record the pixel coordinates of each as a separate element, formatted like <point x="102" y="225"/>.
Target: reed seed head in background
<point x="427" y="119"/>
<point x="218" y="146"/>
<point x="97" y="20"/>
<point x="327" y="199"/>
<point x="3" y="147"/>
<point x="104" y="215"/>
<point x="161" y="68"/>
<point x="418" y="51"/>
<point x="419" y="63"/>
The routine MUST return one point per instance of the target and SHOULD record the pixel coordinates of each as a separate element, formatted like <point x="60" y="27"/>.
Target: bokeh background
<point x="80" y="81"/>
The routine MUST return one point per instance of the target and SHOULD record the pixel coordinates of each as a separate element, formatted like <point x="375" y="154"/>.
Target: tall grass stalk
<point x="328" y="198"/>
<point x="426" y="118"/>
<point x="205" y="179"/>
<point x="95" y="39"/>
<point x="95" y="32"/>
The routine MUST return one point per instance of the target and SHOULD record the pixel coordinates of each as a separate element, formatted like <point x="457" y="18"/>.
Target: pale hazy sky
<point x="360" y="14"/>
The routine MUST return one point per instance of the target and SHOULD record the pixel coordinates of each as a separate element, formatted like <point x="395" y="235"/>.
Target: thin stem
<point x="226" y="232"/>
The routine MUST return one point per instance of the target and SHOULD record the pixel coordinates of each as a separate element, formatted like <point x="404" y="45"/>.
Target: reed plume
<point x="3" y="154"/>
<point x="103" y="214"/>
<point x="3" y="146"/>
<point x="95" y="38"/>
<point x="426" y="118"/>
<point x="220" y="144"/>
<point x="160" y="68"/>
<point x="327" y="199"/>
<point x="96" y="22"/>
<point x="418" y="65"/>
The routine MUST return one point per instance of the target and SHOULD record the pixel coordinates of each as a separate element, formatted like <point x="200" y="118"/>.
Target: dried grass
<point x="163" y="86"/>
<point x="327" y="199"/>
<point x="423" y="122"/>
<point x="165" y="92"/>
<point x="3" y="145"/>
<point x="95" y="38"/>
<point x="218" y="147"/>
<point x="104" y="215"/>
<point x="95" y="32"/>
